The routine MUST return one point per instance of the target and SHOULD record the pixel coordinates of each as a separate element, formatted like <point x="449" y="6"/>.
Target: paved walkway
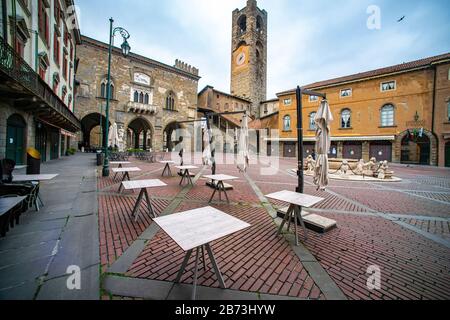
<point x="34" y="256"/>
<point x="402" y="228"/>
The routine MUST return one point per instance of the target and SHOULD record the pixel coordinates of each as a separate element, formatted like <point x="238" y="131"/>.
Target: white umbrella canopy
<point x="113" y="137"/>
<point x="244" y="154"/>
<point x="322" y="119"/>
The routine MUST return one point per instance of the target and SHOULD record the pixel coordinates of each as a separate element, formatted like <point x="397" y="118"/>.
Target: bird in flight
<point x="401" y="19"/>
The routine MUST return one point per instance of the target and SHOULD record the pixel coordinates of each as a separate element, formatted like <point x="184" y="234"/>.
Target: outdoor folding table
<point x="167" y="168"/>
<point x="126" y="174"/>
<point x="196" y="229"/>
<point x="6" y="205"/>
<point x="220" y="178"/>
<point x="143" y="185"/>
<point x="35" y="179"/>
<point x="120" y="165"/>
<point x="186" y="174"/>
<point x="296" y="201"/>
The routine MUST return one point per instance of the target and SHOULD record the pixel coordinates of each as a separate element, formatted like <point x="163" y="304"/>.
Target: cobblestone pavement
<point x="404" y="228"/>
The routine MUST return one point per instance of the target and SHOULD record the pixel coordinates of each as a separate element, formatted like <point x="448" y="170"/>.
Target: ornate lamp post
<point x="125" y="51"/>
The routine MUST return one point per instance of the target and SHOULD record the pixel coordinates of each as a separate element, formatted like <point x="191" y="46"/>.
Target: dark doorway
<point x="171" y="136"/>
<point x="447" y="154"/>
<point x="15" y="138"/>
<point x="416" y="150"/>
<point x="289" y="150"/>
<point x="41" y="141"/>
<point x="381" y="150"/>
<point x="54" y="144"/>
<point x="352" y="150"/>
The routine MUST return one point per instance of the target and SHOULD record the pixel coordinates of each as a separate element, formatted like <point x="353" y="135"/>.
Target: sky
<point x="308" y="40"/>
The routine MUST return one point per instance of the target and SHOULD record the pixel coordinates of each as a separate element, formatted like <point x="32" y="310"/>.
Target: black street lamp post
<point x="125" y="51"/>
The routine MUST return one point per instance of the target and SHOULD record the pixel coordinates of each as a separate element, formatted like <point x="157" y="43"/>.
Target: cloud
<point x="308" y="41"/>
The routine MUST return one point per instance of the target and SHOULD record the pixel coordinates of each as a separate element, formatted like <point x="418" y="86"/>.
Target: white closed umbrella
<point x="323" y="120"/>
<point x="207" y="154"/>
<point x="244" y="154"/>
<point x="113" y="138"/>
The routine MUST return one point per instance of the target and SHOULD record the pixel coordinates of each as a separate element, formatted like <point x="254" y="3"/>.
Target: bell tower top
<point x="249" y="55"/>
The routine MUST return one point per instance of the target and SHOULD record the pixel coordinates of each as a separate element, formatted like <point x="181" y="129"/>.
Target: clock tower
<point x="249" y="55"/>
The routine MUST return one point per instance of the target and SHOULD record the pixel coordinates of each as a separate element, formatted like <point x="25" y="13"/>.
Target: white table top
<point x="167" y="162"/>
<point x="7" y="204"/>
<point x="20" y="167"/>
<point x="299" y="199"/>
<point x="34" y="177"/>
<point x="131" y="169"/>
<point x="220" y="177"/>
<point x="120" y="162"/>
<point x="141" y="184"/>
<point x="186" y="167"/>
<point x="195" y="228"/>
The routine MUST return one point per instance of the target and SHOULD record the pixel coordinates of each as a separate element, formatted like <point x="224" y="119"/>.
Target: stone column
<point x="340" y="150"/>
<point x="366" y="151"/>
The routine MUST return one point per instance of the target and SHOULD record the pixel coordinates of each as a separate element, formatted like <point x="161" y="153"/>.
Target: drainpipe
<point x="5" y="21"/>
<point x="433" y="115"/>
<point x="14" y="13"/>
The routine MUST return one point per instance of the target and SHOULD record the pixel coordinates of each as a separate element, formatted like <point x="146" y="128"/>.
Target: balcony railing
<point x="17" y="69"/>
<point x="137" y="107"/>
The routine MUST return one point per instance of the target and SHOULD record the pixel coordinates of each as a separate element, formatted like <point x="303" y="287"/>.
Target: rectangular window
<point x="346" y="93"/>
<point x="287" y="102"/>
<point x="65" y="69"/>
<point x="42" y="72"/>
<point x="43" y="22"/>
<point x="56" y="48"/>
<point x="57" y="13"/>
<point x="313" y="98"/>
<point x="388" y="86"/>
<point x="20" y="47"/>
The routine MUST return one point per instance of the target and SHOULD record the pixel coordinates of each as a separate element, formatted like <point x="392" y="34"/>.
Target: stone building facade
<point x="249" y="55"/>
<point x="399" y="113"/>
<point x="148" y="97"/>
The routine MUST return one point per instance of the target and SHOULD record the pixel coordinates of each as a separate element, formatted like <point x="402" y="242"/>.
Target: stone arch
<point x="88" y="123"/>
<point x="140" y="133"/>
<point x="171" y="136"/>
<point x="242" y="24"/>
<point x="433" y="142"/>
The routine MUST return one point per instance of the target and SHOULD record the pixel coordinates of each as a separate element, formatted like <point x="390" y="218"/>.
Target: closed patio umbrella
<point x="322" y="119"/>
<point x="207" y="154"/>
<point x="113" y="139"/>
<point x="244" y="154"/>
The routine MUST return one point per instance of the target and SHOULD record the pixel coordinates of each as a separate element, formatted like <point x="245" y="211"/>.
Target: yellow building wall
<point x="413" y="94"/>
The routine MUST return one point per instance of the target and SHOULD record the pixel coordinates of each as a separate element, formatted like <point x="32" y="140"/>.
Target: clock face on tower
<point x="240" y="59"/>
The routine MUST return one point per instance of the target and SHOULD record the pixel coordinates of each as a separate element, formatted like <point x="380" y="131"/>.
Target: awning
<point x="343" y="139"/>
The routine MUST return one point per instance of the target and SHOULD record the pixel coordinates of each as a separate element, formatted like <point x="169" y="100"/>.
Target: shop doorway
<point x="15" y="138"/>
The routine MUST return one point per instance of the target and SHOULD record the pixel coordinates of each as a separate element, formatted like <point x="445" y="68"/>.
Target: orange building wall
<point x="442" y="123"/>
<point x="414" y="93"/>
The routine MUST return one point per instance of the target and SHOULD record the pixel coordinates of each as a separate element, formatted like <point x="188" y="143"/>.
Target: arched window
<point x="287" y="123"/>
<point x="312" y="123"/>
<point x="346" y="119"/>
<point x="259" y="24"/>
<point x="147" y="99"/>
<point x="387" y="115"/>
<point x="170" y="101"/>
<point x="136" y="96"/>
<point x="103" y="87"/>
<point x="227" y="106"/>
<point x="141" y="97"/>
<point x="242" y="24"/>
